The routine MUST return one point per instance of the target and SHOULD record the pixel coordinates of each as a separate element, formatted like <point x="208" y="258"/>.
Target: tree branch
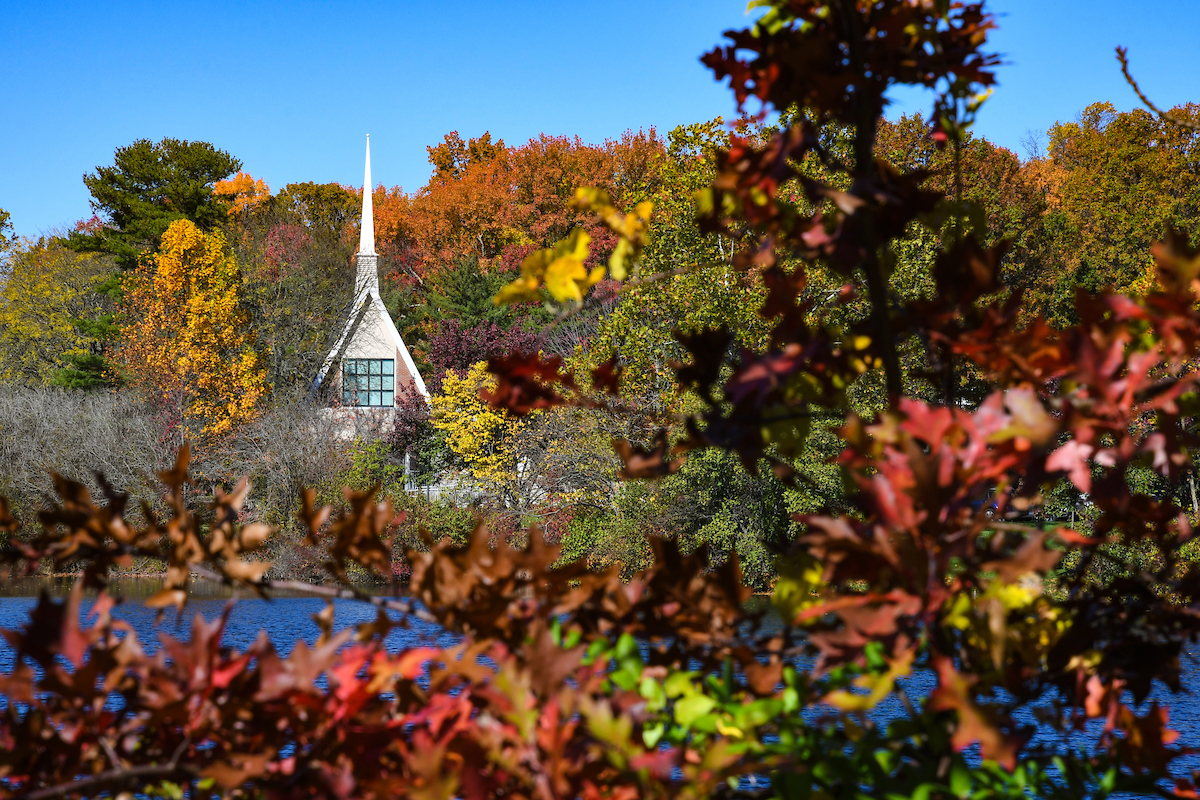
<point x="1123" y="57"/>
<point x="123" y="778"/>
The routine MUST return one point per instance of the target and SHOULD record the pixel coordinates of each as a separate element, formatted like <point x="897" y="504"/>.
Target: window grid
<point x="369" y="382"/>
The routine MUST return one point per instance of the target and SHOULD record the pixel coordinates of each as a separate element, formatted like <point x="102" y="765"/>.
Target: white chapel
<point x="369" y="368"/>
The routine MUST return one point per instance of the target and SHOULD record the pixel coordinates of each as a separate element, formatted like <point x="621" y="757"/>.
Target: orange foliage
<point x="486" y="199"/>
<point x="392" y="211"/>
<point x="245" y="192"/>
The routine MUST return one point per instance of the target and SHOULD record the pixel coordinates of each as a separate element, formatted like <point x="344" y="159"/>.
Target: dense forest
<point x="119" y="341"/>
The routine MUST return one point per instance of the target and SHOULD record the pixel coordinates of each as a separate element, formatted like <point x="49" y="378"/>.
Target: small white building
<point x="369" y="369"/>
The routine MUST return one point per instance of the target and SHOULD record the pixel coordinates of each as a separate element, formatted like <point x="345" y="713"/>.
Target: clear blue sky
<point x="291" y="88"/>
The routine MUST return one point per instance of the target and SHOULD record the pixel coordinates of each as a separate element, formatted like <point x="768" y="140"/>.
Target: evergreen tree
<point x="148" y="187"/>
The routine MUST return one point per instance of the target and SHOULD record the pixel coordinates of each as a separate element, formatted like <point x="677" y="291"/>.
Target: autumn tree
<point x="294" y="252"/>
<point x="6" y="230"/>
<point x="325" y="208"/>
<point x="185" y="334"/>
<point x="453" y="156"/>
<point x="479" y="436"/>
<point x="148" y="187"/>
<point x="486" y="197"/>
<point x="529" y="467"/>
<point x="47" y="296"/>
<point x="243" y="193"/>
<point x="1111" y="182"/>
<point x="455" y="346"/>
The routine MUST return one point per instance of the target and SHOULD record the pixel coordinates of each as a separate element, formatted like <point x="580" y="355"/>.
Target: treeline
<point x="197" y="305"/>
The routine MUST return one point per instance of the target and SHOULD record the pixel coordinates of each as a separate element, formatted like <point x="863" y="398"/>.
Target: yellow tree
<point x="478" y="434"/>
<point x="186" y="337"/>
<point x="538" y="464"/>
<point x="45" y="289"/>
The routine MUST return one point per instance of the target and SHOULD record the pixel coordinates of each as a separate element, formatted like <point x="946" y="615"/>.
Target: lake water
<point x="285" y="619"/>
<point x="289" y="619"/>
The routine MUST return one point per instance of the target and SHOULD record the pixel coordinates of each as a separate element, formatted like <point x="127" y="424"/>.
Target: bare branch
<point x="113" y="779"/>
<point x="1123" y="57"/>
<point x="112" y="754"/>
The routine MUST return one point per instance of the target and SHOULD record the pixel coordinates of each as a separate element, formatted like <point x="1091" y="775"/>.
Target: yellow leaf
<point x="522" y="290"/>
<point x="878" y="686"/>
<point x="589" y="198"/>
<point x="728" y="730"/>
<point x="575" y="245"/>
<point x="618" y="262"/>
<point x="563" y="277"/>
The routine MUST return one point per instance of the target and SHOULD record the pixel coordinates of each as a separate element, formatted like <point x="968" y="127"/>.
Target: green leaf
<point x="923" y="792"/>
<point x="690" y="709"/>
<point x="626" y="648"/>
<point x="1109" y="781"/>
<point x="960" y="778"/>
<point x="626" y="678"/>
<point x="652" y="734"/>
<point x="679" y="683"/>
<point x="652" y="690"/>
<point x="596" y="650"/>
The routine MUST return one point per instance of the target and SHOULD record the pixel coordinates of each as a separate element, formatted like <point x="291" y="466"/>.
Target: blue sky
<point x="291" y="88"/>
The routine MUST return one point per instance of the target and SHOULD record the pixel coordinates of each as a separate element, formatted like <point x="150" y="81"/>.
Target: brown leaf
<point x="764" y="678"/>
<point x="548" y="663"/>
<point x="1031" y="557"/>
<point x="177" y="476"/>
<point x="708" y="350"/>
<point x="8" y="523"/>
<point x="607" y="376"/>
<point x="237" y="768"/>
<point x="1178" y="263"/>
<point x="642" y="463"/>
<point x="53" y="630"/>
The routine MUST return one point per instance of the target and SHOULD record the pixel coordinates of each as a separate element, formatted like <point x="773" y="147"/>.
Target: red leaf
<point x="52" y="630"/>
<point x="1072" y="458"/>
<point x="954" y="693"/>
<point x="607" y="377"/>
<point x="524" y="382"/>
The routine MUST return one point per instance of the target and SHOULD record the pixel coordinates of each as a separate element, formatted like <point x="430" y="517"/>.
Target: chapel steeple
<point x="370" y="369"/>
<point x="367" y="262"/>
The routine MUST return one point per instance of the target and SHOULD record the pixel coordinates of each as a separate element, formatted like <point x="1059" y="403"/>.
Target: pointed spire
<point x="366" y="238"/>
<point x="367" y="263"/>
